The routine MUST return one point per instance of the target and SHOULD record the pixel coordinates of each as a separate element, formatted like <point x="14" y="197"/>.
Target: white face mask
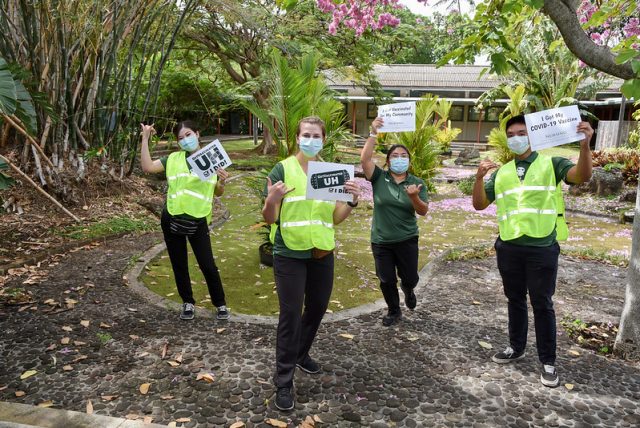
<point x="518" y="144"/>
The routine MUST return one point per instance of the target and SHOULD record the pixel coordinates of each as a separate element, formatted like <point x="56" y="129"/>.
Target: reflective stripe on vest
<point x="533" y="207"/>
<point x="304" y="223"/>
<point x="187" y="194"/>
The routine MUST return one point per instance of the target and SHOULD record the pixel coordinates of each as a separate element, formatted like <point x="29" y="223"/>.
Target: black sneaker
<point x="284" y="399"/>
<point x="308" y="365"/>
<point x="222" y="313"/>
<point x="391" y="318"/>
<point x="507" y="356"/>
<point x="188" y="311"/>
<point x="410" y="299"/>
<point x="549" y="376"/>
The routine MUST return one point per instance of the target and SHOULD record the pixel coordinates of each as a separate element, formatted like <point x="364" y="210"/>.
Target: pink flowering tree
<point x="603" y="34"/>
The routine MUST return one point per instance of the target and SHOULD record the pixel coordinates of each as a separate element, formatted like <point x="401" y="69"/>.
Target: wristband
<point x="371" y="134"/>
<point x="352" y="204"/>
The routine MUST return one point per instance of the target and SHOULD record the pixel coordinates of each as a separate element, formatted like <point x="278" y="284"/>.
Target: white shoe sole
<point x="511" y="360"/>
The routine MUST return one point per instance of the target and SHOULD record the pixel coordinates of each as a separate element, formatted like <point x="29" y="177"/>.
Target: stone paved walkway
<point x="427" y="371"/>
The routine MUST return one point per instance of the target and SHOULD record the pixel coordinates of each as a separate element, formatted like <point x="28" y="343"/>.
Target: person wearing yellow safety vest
<point x="530" y="211"/>
<point x="187" y="214"/>
<point x="303" y="244"/>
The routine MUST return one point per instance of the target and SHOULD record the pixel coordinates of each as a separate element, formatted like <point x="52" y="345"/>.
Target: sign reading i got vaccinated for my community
<point x="399" y="117"/>
<point x="206" y="161"/>
<point x="553" y="127"/>
<point x="325" y="181"/>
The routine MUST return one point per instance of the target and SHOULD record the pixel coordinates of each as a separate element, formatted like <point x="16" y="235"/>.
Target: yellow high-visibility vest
<point x="187" y="194"/>
<point x="533" y="207"/>
<point x="304" y="223"/>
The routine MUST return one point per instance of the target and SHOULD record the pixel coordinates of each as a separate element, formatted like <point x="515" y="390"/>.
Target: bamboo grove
<point x="91" y="70"/>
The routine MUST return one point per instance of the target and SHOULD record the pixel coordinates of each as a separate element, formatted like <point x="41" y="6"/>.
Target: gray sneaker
<point x="188" y="311"/>
<point x="507" y="356"/>
<point x="549" y="376"/>
<point x="222" y="313"/>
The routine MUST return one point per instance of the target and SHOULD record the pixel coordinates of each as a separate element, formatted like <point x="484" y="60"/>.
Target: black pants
<point x="402" y="256"/>
<point x="533" y="270"/>
<point x="201" y="245"/>
<point x="299" y="281"/>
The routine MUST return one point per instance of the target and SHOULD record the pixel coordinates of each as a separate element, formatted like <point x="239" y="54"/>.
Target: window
<point x="475" y="115"/>
<point x="456" y="113"/>
<point x="493" y="114"/>
<point x="372" y="111"/>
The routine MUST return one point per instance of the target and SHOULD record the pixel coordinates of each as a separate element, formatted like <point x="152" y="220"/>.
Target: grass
<point x="111" y="226"/>
<point x="451" y="223"/>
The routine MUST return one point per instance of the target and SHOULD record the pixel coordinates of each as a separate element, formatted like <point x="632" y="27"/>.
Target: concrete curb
<point x="16" y="415"/>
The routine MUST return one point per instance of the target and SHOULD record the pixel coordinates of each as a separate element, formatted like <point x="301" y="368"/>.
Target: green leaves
<point x="631" y="88"/>
<point x="15" y="99"/>
<point x="8" y="96"/>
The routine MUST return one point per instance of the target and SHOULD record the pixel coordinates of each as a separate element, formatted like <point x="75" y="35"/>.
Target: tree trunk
<point x="628" y="340"/>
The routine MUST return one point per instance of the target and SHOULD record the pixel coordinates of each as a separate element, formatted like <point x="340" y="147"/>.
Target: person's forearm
<point x="270" y="211"/>
<point x="584" y="165"/>
<point x="219" y="189"/>
<point x="145" y="156"/>
<point x="479" y="198"/>
<point x="421" y="207"/>
<point x="341" y="212"/>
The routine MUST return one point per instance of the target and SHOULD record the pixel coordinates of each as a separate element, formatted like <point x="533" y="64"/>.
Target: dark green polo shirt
<point x="394" y="218"/>
<point x="561" y="167"/>
<point x="279" y="247"/>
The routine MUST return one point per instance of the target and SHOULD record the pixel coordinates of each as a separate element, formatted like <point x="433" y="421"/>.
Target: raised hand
<point x="147" y="130"/>
<point x="485" y="166"/>
<point x="413" y="190"/>
<point x="354" y="188"/>
<point x="277" y="191"/>
<point x="222" y="175"/>
<point x="587" y="130"/>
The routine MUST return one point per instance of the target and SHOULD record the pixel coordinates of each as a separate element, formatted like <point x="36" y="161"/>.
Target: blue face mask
<point x="310" y="146"/>
<point x="518" y="144"/>
<point x="399" y="165"/>
<point x="189" y="143"/>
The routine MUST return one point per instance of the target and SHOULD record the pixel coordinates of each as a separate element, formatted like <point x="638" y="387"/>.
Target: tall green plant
<point x="296" y="92"/>
<point x="423" y="144"/>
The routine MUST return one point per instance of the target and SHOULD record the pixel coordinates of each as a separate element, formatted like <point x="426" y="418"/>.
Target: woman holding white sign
<point x="187" y="214"/>
<point x="397" y="197"/>
<point x="302" y="233"/>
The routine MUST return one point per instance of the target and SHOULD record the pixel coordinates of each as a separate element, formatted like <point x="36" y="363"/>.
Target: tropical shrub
<point x="625" y="159"/>
<point x="294" y="93"/>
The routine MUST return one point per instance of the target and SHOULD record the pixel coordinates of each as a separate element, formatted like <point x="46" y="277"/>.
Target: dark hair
<point x="312" y="120"/>
<point x="397" y="146"/>
<point x="515" y="119"/>
<point x="185" y="124"/>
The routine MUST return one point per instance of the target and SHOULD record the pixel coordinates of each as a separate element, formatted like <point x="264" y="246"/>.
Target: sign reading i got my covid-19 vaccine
<point x="553" y="127"/>
<point x="325" y="181"/>
<point x="206" y="161"/>
<point x="399" y="117"/>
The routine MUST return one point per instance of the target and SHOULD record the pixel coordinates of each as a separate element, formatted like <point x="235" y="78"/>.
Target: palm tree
<point x="295" y="93"/>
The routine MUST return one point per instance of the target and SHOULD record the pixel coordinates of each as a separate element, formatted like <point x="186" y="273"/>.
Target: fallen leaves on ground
<point x="67" y="328"/>
<point x="569" y="386"/>
<point x="89" y="407"/>
<point x="207" y="377"/>
<point x="144" y="388"/>
<point x="163" y="352"/>
<point x="220" y="330"/>
<point x="276" y="423"/>
<point x="20" y="393"/>
<point x="183" y="420"/>
<point x="67" y="368"/>
<point x="485" y="345"/>
<point x="28" y="374"/>
<point x="238" y="424"/>
<point x="47" y="403"/>
<point x="108" y="397"/>
<point x="65" y="340"/>
<point x="105" y="325"/>
<point x="173" y="363"/>
<point x="85" y="323"/>
<point x="346" y="336"/>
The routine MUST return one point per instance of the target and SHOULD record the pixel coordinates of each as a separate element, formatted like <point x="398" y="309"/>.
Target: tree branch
<point x="563" y="14"/>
